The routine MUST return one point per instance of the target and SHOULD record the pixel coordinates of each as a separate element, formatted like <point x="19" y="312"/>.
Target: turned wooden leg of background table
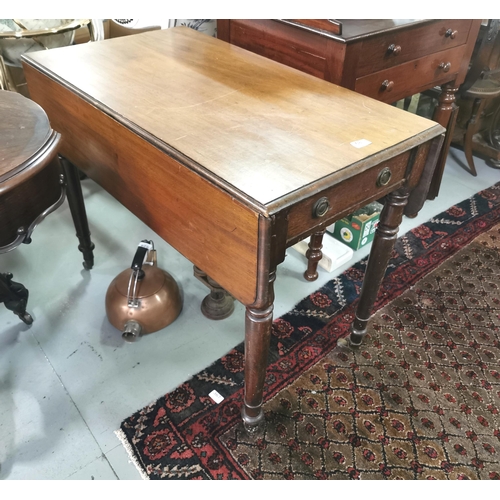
<point x="314" y="255"/>
<point x="383" y="243"/>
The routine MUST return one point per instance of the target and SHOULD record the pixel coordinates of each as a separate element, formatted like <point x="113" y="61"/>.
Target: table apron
<point x="344" y="198"/>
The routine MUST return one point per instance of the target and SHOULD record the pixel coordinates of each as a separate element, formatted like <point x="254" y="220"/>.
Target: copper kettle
<point x="144" y="298"/>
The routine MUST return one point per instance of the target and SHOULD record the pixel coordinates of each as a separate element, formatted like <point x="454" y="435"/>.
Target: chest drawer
<point x="394" y="48"/>
<point x="352" y="193"/>
<point x="412" y="77"/>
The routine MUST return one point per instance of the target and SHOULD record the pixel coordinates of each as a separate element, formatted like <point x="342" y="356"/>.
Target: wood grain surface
<point x="29" y="170"/>
<point x="204" y="223"/>
<point x="224" y="153"/>
<point x="262" y="129"/>
<point x="24" y="130"/>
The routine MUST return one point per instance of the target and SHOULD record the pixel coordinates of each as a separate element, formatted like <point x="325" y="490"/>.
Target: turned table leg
<point x="314" y="255"/>
<point x="258" y="324"/>
<point x="78" y="213"/>
<point x="383" y="243"/>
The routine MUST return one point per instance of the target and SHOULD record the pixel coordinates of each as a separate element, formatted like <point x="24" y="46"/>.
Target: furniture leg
<point x="470" y="130"/>
<point x="218" y="304"/>
<point x="494" y="129"/>
<point x="15" y="297"/>
<point x="383" y="243"/>
<point x="407" y="102"/>
<point x="443" y="114"/>
<point x="314" y="255"/>
<point x="494" y="137"/>
<point x="258" y="324"/>
<point x="419" y="193"/>
<point x="78" y="212"/>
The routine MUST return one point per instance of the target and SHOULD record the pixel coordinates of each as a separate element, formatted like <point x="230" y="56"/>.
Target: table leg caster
<point x="88" y="256"/>
<point x="26" y="318"/>
<point x="251" y="424"/>
<point x="358" y="332"/>
<point x="355" y="340"/>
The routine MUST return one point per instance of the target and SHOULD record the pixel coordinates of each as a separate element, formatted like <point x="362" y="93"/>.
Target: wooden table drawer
<point x="412" y="77"/>
<point x="352" y="193"/>
<point x="393" y="48"/>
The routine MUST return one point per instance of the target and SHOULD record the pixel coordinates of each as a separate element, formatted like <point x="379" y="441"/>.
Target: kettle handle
<point x="140" y="255"/>
<point x="137" y="273"/>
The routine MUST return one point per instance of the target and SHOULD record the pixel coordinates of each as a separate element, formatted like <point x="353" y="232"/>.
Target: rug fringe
<point x="130" y="452"/>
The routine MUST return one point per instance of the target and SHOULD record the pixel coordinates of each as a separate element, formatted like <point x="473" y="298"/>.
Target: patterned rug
<point x="419" y="399"/>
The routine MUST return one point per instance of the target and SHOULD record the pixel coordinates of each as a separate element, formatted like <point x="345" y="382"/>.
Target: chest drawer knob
<point x="321" y="207"/>
<point x="394" y="49"/>
<point x="445" y="66"/>
<point x="451" y="34"/>
<point x="384" y="177"/>
<point x="387" y="85"/>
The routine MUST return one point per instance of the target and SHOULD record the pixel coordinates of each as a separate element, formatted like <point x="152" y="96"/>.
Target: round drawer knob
<point x="394" y="49"/>
<point x="387" y="85"/>
<point x="451" y="34"/>
<point x="445" y="66"/>
<point x="384" y="177"/>
<point x="321" y="207"/>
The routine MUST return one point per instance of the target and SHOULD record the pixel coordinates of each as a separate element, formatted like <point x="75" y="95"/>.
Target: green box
<point x="357" y="230"/>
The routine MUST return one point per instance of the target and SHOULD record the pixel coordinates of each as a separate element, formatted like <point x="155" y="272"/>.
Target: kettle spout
<point x="132" y="331"/>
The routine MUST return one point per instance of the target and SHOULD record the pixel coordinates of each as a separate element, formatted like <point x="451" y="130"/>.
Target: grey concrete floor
<point x="68" y="380"/>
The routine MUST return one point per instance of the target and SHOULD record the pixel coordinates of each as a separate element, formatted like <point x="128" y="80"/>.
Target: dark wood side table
<point x="232" y="158"/>
<point x="387" y="59"/>
<point x="32" y="185"/>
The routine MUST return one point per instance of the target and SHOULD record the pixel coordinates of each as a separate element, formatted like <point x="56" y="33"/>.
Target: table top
<point x="259" y="129"/>
<point x="356" y="29"/>
<point x="24" y="130"/>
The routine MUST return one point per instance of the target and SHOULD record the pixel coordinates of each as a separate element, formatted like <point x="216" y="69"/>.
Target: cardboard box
<point x="335" y="253"/>
<point x="357" y="230"/>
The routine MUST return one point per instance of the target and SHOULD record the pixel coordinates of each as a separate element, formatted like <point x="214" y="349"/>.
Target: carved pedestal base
<point x="218" y="304"/>
<point x="15" y="297"/>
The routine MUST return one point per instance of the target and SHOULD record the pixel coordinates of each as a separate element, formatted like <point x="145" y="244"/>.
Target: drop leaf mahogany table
<point x="232" y="158"/>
